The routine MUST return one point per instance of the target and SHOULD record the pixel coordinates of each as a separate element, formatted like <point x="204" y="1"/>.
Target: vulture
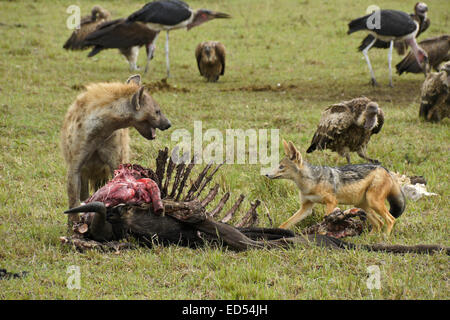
<point x="438" y="50"/>
<point x="347" y="126"/>
<point x="419" y="15"/>
<point x="87" y="25"/>
<point x="435" y="98"/>
<point x="210" y="57"/>
<point x="127" y="37"/>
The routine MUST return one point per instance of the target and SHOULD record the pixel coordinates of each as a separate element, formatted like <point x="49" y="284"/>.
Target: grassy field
<point x="287" y="60"/>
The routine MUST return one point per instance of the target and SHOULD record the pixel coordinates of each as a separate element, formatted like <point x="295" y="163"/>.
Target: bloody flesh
<point x="130" y="185"/>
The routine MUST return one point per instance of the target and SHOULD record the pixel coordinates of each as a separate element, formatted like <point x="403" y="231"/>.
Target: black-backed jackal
<point x="366" y="186"/>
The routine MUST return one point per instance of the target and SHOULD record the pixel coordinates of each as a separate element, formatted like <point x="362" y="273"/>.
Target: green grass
<point x="301" y="45"/>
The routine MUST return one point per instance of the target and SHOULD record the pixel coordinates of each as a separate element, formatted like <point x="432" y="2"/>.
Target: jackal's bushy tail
<point x="397" y="201"/>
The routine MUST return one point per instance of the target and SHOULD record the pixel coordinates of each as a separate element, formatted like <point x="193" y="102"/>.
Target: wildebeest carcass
<point x="188" y="221"/>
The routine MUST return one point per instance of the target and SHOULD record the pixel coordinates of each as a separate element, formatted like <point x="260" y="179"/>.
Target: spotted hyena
<point x="95" y="138"/>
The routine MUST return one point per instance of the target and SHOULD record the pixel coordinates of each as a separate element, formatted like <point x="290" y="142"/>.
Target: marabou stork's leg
<point x="167" y="54"/>
<point x="391" y="46"/>
<point x="366" y="49"/>
<point x="150" y="48"/>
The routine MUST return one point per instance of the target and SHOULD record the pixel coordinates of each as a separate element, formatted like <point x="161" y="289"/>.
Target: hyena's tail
<point x="397" y="200"/>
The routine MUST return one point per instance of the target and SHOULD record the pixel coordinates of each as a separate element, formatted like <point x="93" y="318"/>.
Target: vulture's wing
<point x="437" y="49"/>
<point x="220" y="52"/>
<point x="335" y="119"/>
<point x="76" y="39"/>
<point x="119" y="34"/>
<point x="425" y="25"/>
<point x="433" y="87"/>
<point x="198" y="56"/>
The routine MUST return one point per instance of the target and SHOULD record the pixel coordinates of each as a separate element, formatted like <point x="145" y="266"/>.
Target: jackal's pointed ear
<point x="287" y="151"/>
<point x="137" y="98"/>
<point x="294" y="154"/>
<point x="135" y="78"/>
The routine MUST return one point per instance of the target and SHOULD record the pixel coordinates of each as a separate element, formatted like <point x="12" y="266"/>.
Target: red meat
<point x="130" y="185"/>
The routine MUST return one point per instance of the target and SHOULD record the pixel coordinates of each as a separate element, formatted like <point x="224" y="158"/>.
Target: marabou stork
<point x="127" y="37"/>
<point x="170" y="15"/>
<point x="392" y="25"/>
<point x="419" y="15"/>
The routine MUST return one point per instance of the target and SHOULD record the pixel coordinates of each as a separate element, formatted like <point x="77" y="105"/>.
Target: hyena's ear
<point x="137" y="98"/>
<point x="294" y="154"/>
<point x="136" y="79"/>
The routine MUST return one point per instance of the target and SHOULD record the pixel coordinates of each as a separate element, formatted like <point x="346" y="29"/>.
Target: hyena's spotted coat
<point x="94" y="137"/>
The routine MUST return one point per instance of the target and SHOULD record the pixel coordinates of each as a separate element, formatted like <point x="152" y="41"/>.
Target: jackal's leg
<point x="331" y="205"/>
<point x="374" y="220"/>
<point x="376" y="201"/>
<point x="301" y="214"/>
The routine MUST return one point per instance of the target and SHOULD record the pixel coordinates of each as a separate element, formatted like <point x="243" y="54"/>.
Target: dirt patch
<point x="78" y="87"/>
<point x="405" y="90"/>
<point x="267" y="87"/>
<point x="163" y="85"/>
<point x="16" y="25"/>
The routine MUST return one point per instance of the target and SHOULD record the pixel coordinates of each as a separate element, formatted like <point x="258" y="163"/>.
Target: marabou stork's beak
<point x="220" y="15"/>
<point x="204" y="15"/>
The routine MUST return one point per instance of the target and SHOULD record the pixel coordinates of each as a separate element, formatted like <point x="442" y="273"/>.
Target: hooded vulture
<point x="438" y="50"/>
<point x="87" y="25"/>
<point x="347" y="127"/>
<point x="127" y="37"/>
<point x="210" y="57"/>
<point x="435" y="99"/>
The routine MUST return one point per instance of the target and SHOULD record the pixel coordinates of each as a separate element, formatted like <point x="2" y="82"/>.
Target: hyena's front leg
<point x="84" y="189"/>
<point x="301" y="214"/>
<point x="73" y="192"/>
